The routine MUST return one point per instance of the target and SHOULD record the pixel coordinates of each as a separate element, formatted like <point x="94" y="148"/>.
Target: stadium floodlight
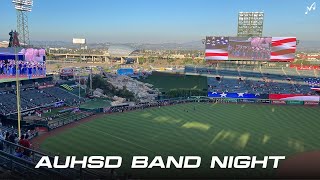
<point x="23" y="7"/>
<point x="250" y="24"/>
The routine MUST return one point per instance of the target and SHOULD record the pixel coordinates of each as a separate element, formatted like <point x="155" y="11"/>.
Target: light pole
<point x="78" y="71"/>
<point x="18" y="90"/>
<point x="79" y="87"/>
<point x="23" y="7"/>
<point x="91" y="92"/>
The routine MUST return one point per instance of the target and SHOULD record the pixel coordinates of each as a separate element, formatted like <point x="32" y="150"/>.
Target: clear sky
<point x="158" y="21"/>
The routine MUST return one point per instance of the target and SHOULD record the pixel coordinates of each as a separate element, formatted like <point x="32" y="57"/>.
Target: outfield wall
<point x="284" y="97"/>
<point x="267" y="101"/>
<point x="291" y="99"/>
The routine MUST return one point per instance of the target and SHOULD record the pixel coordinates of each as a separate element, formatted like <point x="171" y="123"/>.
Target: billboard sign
<point x="67" y="72"/>
<point x="231" y="100"/>
<point x="278" y="102"/>
<point x="78" y="41"/>
<point x="312" y="103"/>
<point x="294" y="102"/>
<point x="266" y="101"/>
<point x="59" y="104"/>
<point x="247" y="100"/>
<point x="294" y="97"/>
<point x="250" y="48"/>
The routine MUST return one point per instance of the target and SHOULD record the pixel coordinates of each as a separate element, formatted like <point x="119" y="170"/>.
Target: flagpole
<point x="18" y="91"/>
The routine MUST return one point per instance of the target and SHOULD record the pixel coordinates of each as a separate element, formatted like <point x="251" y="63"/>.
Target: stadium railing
<point x="9" y="160"/>
<point x="24" y="168"/>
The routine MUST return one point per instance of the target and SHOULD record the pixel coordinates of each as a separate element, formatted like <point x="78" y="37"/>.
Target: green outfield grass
<point x="167" y="81"/>
<point x="194" y="129"/>
<point x="96" y="103"/>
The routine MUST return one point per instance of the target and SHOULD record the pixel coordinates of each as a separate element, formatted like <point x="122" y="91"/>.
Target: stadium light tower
<point x="250" y="24"/>
<point x="23" y="7"/>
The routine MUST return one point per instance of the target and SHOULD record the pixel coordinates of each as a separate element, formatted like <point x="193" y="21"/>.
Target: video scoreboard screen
<point x="250" y="48"/>
<point x="31" y="63"/>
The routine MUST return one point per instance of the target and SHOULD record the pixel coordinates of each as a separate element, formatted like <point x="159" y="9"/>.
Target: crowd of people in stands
<point x="256" y="80"/>
<point x="262" y="85"/>
<point x="10" y="140"/>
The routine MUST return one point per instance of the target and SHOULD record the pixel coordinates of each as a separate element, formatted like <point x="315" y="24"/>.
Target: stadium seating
<point x="8" y="103"/>
<point x="258" y="80"/>
<point x="63" y="95"/>
<point x="37" y="97"/>
<point x="33" y="98"/>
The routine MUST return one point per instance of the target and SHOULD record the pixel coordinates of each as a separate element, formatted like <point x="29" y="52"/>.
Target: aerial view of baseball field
<point x="137" y="89"/>
<point x="193" y="129"/>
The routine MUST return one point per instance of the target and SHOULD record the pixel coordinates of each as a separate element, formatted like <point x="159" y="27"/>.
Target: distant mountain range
<point x="309" y="46"/>
<point x="193" y="45"/>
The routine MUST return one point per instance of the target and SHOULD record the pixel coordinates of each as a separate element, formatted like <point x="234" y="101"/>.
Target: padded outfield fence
<point x="241" y="100"/>
<point x="267" y="101"/>
<point x="204" y="99"/>
<point x="290" y="99"/>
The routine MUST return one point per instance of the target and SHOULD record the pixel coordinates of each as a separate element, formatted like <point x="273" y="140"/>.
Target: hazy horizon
<point x="165" y="21"/>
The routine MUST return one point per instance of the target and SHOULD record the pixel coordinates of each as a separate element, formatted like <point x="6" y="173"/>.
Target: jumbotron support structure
<point x="250" y="24"/>
<point x="23" y="7"/>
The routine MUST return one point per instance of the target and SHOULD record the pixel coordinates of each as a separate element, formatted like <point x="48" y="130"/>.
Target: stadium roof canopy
<point x="122" y="51"/>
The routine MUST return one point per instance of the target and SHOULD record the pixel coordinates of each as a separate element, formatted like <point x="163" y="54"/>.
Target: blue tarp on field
<point x="125" y="71"/>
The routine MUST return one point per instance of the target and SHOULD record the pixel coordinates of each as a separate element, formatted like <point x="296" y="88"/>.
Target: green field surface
<point x="96" y="103"/>
<point x="198" y="129"/>
<point x="167" y="81"/>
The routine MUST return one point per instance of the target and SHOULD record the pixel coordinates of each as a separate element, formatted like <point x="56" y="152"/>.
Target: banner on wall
<point x="312" y="103"/>
<point x="238" y="95"/>
<point x="294" y="97"/>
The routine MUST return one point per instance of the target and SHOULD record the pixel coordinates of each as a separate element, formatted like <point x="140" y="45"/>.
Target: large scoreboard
<point x="250" y="48"/>
<point x="31" y="63"/>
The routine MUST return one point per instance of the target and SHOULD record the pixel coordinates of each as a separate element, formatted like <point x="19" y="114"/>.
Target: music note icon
<point x="312" y="7"/>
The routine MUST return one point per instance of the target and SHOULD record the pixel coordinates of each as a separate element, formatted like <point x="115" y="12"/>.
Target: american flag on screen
<point x="283" y="48"/>
<point x="216" y="48"/>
